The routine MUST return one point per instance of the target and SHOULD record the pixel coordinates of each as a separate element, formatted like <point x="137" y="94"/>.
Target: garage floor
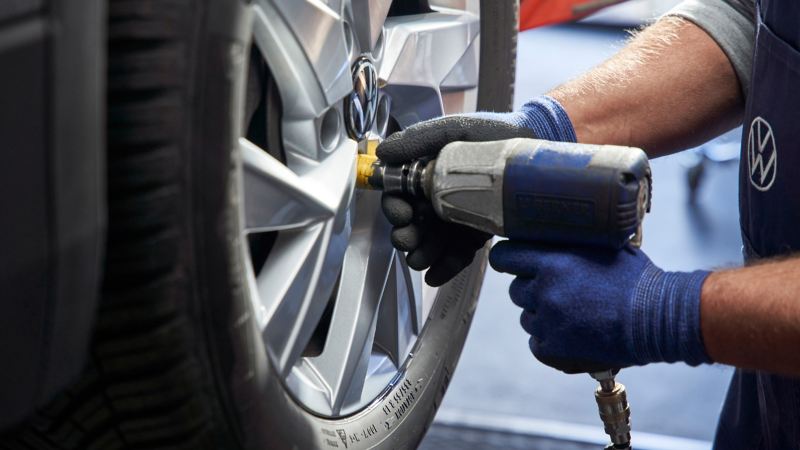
<point x="470" y="438"/>
<point x="497" y="378"/>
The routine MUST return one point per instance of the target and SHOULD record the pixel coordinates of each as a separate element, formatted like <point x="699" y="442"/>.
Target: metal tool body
<point x="529" y="189"/>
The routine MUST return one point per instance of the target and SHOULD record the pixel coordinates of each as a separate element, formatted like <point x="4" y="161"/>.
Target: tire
<point x="176" y="354"/>
<point x="499" y="55"/>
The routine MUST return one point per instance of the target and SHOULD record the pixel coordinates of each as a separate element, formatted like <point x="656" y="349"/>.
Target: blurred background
<point x="500" y="396"/>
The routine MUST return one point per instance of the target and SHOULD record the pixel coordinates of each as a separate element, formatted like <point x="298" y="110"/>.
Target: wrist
<point x="547" y="119"/>
<point x="543" y="116"/>
<point x="666" y="317"/>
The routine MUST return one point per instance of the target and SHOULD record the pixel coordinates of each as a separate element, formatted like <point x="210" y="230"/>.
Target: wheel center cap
<point x="362" y="104"/>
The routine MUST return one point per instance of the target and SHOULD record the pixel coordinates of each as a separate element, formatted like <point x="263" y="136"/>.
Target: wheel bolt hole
<point x="348" y="38"/>
<point x="329" y="129"/>
<point x="382" y="115"/>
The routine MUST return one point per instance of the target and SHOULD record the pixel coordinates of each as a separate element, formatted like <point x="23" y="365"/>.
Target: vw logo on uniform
<point x="762" y="154"/>
<point x="362" y="104"/>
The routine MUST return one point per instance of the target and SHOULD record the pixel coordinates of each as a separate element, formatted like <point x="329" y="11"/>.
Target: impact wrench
<point x="534" y="190"/>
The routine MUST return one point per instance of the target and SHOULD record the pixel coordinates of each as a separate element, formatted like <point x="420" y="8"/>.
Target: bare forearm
<point x="750" y="317"/>
<point x="669" y="89"/>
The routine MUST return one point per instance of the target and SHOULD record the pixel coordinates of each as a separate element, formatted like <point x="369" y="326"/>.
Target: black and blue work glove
<point x="445" y="248"/>
<point x="590" y="309"/>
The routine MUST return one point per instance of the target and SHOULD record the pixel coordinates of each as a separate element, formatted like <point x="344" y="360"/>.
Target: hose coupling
<point x="612" y="403"/>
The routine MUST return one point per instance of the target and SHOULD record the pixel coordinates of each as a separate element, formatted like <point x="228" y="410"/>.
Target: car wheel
<point x="251" y="295"/>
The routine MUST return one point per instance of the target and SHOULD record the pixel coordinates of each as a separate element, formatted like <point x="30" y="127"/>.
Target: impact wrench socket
<point x="534" y="190"/>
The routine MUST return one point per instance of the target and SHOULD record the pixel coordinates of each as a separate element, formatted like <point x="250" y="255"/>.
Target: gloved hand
<point x="447" y="248"/>
<point x="592" y="309"/>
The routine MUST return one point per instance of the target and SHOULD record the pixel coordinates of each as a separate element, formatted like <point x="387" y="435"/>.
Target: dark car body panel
<point x="52" y="208"/>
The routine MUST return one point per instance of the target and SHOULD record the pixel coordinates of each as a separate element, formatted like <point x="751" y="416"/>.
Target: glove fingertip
<point x="404" y="146"/>
<point x="397" y="210"/>
<point x="499" y="255"/>
<point x="391" y="149"/>
<point x="439" y="274"/>
<point x="417" y="260"/>
<point x="423" y="257"/>
<point x="527" y="321"/>
<point x="436" y="279"/>
<point x="512" y="257"/>
<point x="406" y="238"/>
<point x="535" y="344"/>
<point x="523" y="293"/>
<point x="446" y="269"/>
<point x="436" y="276"/>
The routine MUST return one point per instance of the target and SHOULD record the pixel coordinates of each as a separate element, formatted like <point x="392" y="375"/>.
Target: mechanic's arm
<point x="672" y="87"/>
<point x="750" y="317"/>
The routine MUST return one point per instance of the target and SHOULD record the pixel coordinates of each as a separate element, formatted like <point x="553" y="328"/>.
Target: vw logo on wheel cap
<point x="362" y="104"/>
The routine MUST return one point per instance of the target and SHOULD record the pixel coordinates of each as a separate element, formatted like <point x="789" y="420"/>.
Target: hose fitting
<point x="612" y="403"/>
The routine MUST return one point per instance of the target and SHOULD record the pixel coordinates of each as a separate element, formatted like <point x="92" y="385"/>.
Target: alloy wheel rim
<point x="346" y="74"/>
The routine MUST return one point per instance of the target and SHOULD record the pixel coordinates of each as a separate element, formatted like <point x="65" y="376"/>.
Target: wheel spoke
<point x="426" y="296"/>
<point x="283" y="286"/>
<point x="294" y="286"/>
<point x="368" y="19"/>
<point x="397" y="314"/>
<point x="275" y="197"/>
<point x="344" y="361"/>
<point x="414" y="284"/>
<point x="424" y="55"/>
<point x="312" y="212"/>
